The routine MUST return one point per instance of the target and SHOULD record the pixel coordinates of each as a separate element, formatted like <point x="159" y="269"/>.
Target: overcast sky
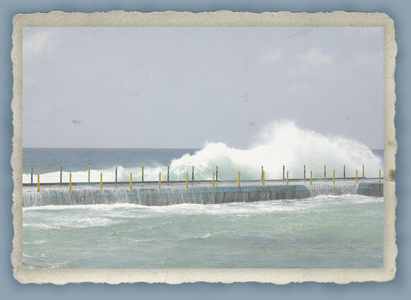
<point x="181" y="87"/>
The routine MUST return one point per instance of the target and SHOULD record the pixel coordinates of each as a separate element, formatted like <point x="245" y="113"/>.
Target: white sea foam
<point x="283" y="143"/>
<point x="103" y="207"/>
<point x="278" y="144"/>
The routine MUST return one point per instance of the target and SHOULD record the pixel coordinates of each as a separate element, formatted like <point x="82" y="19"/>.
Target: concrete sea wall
<point x="201" y="195"/>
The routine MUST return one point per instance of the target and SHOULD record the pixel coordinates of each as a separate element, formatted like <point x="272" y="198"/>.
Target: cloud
<point x="273" y="56"/>
<point x="38" y="44"/>
<point x="315" y="57"/>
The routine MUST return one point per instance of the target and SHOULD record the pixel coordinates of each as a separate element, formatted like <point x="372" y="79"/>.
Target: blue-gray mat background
<point x="396" y="289"/>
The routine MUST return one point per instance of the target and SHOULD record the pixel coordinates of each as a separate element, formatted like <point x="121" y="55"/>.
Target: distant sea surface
<point x="45" y="160"/>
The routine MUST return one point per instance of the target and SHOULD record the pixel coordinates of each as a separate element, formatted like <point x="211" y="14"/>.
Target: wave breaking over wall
<point x="193" y="195"/>
<point x="278" y="144"/>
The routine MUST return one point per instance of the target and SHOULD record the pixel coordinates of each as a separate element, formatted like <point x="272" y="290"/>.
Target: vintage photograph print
<point x="208" y="148"/>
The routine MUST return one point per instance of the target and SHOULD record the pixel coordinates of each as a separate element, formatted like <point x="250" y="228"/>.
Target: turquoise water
<point x="319" y="232"/>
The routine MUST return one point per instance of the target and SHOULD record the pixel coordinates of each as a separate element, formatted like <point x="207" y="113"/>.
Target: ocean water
<point x="320" y="232"/>
<point x="323" y="231"/>
<point x="47" y="162"/>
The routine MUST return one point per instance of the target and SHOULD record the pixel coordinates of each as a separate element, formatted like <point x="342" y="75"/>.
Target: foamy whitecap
<point x="278" y="144"/>
<point x="282" y="144"/>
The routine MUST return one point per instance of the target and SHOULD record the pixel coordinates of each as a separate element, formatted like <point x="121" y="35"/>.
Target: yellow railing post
<point x="356" y="176"/>
<point x="101" y="181"/>
<point x="186" y="179"/>
<point x="70" y="182"/>
<point x="131" y="181"/>
<point x="168" y="173"/>
<point x="88" y="173"/>
<point x="159" y="180"/>
<point x="363" y="173"/>
<point x="380" y="176"/>
<point x="344" y="172"/>
<point x="262" y="172"/>
<point x="238" y="178"/>
<point x="283" y="172"/>
<point x="325" y="171"/>
<point x="192" y="174"/>
<point x="38" y="182"/>
<point x="263" y="178"/>
<point x="213" y="178"/>
<point x="287" y="177"/>
<point x="333" y="176"/>
<point x="311" y="177"/>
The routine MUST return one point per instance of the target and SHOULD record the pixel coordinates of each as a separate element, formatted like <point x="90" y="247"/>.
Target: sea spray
<point x="335" y="189"/>
<point x="282" y="144"/>
<point x="278" y="144"/>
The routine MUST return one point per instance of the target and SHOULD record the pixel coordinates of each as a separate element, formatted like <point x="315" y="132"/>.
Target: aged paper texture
<point x="204" y="19"/>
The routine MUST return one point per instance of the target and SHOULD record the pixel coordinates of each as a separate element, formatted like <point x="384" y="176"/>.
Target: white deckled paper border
<point x="216" y="19"/>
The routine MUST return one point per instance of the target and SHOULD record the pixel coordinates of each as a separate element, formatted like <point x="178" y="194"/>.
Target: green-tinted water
<point x="319" y="232"/>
